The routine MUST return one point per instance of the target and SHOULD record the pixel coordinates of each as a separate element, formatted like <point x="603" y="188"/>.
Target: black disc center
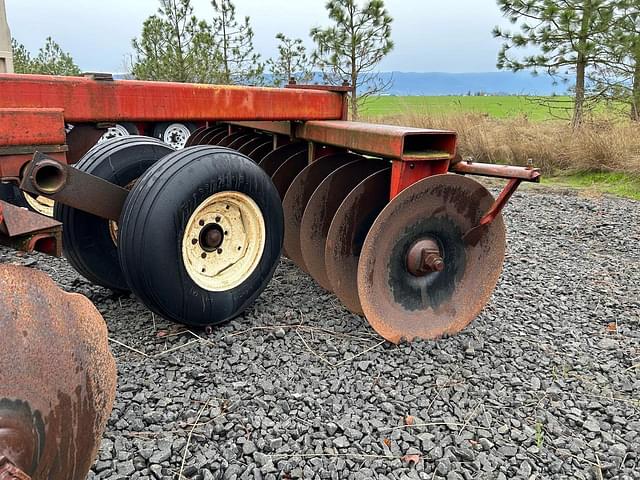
<point x="211" y="237"/>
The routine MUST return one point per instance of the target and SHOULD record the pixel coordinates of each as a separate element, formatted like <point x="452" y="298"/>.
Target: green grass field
<point x="498" y="107"/>
<point x="619" y="184"/>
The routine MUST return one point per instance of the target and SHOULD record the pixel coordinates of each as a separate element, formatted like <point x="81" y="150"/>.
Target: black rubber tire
<point x="86" y="239"/>
<point x="154" y="220"/>
<point x="10" y="193"/>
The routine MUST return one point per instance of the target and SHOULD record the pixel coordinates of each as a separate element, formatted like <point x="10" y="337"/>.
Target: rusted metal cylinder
<point x="57" y="378"/>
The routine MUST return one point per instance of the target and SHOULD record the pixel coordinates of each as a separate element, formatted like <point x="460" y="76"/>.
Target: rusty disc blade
<point x="199" y="135"/>
<point x="212" y="133"/>
<point x="321" y="209"/>
<point x="229" y="139"/>
<point x="288" y="171"/>
<point x="298" y="195"/>
<point x="249" y="146"/>
<point x="349" y="228"/>
<point x="442" y="208"/>
<point x="194" y="137"/>
<point x="240" y="141"/>
<point x="218" y="137"/>
<point x="272" y="160"/>
<point x="258" y="153"/>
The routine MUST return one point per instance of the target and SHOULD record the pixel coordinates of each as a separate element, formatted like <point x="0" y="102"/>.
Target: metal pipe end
<point x="48" y="177"/>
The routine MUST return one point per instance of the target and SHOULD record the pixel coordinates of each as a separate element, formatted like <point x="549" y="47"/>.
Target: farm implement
<point x="388" y="218"/>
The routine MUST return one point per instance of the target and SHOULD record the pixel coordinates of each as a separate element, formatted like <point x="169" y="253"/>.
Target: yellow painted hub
<point x="41" y="205"/>
<point x="223" y="241"/>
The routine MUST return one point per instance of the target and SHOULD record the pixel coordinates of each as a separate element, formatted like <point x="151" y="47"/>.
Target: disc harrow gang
<point x="402" y="263"/>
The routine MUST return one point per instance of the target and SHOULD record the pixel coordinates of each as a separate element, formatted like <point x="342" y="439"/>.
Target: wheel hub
<point x="176" y="135"/>
<point x="425" y="257"/>
<point x="211" y="237"/>
<point x="223" y="241"/>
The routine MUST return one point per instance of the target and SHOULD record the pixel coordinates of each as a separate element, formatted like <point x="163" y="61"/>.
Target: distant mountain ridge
<point x="491" y="83"/>
<point x="439" y="84"/>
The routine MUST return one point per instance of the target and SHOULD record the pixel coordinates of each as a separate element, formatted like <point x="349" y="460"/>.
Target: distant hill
<point x="436" y="84"/>
<point x="492" y="83"/>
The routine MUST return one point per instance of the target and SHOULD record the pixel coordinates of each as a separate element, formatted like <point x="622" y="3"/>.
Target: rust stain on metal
<point x="28" y="231"/>
<point x="400" y="305"/>
<point x="87" y="100"/>
<point x="526" y="174"/>
<point x="347" y="233"/>
<point x="31" y="126"/>
<point x="56" y="389"/>
<point x="388" y="141"/>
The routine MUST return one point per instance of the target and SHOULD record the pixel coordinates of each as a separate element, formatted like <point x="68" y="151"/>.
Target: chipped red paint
<point x="86" y="100"/>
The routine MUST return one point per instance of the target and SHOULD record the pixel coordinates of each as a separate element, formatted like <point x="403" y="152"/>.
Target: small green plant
<point x="539" y="435"/>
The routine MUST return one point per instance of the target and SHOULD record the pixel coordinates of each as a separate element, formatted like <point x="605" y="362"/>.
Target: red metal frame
<point x="91" y="101"/>
<point x="35" y="109"/>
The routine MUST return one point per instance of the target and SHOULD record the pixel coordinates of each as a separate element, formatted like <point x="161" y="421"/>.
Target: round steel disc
<point x="399" y="305"/>
<point x="258" y="153"/>
<point x="217" y="137"/>
<point x="299" y="193"/>
<point x="193" y="138"/>
<point x="198" y="137"/>
<point x="251" y="144"/>
<point x="229" y="139"/>
<point x="240" y="141"/>
<point x="321" y="209"/>
<point x="209" y="133"/>
<point x="272" y="160"/>
<point x="349" y="228"/>
<point x="288" y="171"/>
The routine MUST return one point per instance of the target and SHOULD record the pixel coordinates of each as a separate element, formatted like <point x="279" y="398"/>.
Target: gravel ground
<point x="544" y="384"/>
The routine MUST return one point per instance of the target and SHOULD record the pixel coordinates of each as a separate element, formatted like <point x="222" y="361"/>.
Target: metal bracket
<point x="27" y="231"/>
<point x="62" y="183"/>
<point x="473" y="236"/>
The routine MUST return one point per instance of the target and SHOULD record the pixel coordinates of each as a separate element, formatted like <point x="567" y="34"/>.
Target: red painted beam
<point x="86" y="100"/>
<point x="387" y="141"/>
<point x="31" y="126"/>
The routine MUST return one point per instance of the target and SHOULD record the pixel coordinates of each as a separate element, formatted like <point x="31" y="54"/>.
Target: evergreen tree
<point x="618" y="78"/>
<point x="352" y="47"/>
<point x="292" y="62"/>
<point x="175" y="46"/>
<point x="234" y="41"/>
<point x="50" y="60"/>
<point x="564" y="35"/>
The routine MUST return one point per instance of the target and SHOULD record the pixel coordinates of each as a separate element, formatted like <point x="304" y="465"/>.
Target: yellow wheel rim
<point x="41" y="205"/>
<point x="223" y="241"/>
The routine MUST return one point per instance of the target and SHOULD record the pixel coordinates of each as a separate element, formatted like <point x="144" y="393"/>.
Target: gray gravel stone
<point x="523" y="392"/>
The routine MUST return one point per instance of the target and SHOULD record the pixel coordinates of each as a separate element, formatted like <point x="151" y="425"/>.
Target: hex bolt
<point x="424" y="257"/>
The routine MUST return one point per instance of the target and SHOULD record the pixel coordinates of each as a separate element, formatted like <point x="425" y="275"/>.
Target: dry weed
<point x="604" y="145"/>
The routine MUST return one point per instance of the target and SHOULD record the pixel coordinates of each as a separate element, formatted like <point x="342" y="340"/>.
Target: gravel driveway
<point x="544" y="384"/>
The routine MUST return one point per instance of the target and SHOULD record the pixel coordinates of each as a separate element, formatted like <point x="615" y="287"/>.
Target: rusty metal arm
<point x="526" y="174"/>
<point x="68" y="185"/>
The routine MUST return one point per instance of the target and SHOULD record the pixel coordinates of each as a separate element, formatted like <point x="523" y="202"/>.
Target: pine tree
<point x="617" y="79"/>
<point x="175" y="46"/>
<point x="351" y="49"/>
<point x="50" y="60"/>
<point x="292" y="62"/>
<point x="234" y="41"/>
<point x="21" y="58"/>
<point x="564" y="34"/>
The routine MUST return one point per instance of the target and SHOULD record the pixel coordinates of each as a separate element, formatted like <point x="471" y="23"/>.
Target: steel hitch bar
<point x="516" y="176"/>
<point x="62" y="183"/>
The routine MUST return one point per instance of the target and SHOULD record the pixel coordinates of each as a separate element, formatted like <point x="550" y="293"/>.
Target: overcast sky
<point x="430" y="35"/>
